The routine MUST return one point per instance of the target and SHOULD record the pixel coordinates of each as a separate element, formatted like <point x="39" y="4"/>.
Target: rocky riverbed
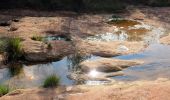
<point x="89" y="49"/>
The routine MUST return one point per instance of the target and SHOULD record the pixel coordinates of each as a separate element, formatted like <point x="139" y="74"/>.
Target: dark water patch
<point x="5" y="23"/>
<point x="123" y="22"/>
<point x="57" y="37"/>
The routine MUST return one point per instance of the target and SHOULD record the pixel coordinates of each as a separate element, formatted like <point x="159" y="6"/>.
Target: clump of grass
<point x="49" y="46"/>
<point x="51" y="81"/>
<point x="3" y="90"/>
<point x="13" y="49"/>
<point x="37" y="38"/>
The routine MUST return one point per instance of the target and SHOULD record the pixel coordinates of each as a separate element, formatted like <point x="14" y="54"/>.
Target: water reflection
<point x="130" y="30"/>
<point x="157" y="64"/>
<point x="15" y="69"/>
<point x="25" y="76"/>
<point x="75" y="59"/>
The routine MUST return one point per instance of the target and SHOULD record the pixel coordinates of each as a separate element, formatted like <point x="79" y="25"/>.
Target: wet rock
<point x="108" y="65"/>
<point x="39" y="51"/>
<point x="109" y="49"/>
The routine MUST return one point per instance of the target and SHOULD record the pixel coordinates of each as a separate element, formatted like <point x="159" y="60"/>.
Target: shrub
<point x="37" y="38"/>
<point x="51" y="81"/>
<point x="13" y="49"/>
<point x="3" y="90"/>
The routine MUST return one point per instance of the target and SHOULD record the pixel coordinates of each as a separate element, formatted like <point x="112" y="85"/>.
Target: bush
<point x="51" y="81"/>
<point x="3" y="90"/>
<point x="14" y="50"/>
<point x="37" y="38"/>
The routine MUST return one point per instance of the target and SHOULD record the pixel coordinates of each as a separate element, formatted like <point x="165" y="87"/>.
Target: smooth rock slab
<point x="165" y="40"/>
<point x="36" y="51"/>
<point x="108" y="64"/>
<point x="109" y="49"/>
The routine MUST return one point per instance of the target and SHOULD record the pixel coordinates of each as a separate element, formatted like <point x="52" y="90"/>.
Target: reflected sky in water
<point x="157" y="64"/>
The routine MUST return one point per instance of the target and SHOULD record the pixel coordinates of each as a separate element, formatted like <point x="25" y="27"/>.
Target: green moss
<point x="51" y="81"/>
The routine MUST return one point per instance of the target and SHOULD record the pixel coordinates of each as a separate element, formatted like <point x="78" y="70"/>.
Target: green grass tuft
<point x="37" y="38"/>
<point x="13" y="49"/>
<point x="51" y="81"/>
<point x="3" y="90"/>
<point x="49" y="46"/>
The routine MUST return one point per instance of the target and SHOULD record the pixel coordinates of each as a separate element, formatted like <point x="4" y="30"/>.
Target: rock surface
<point x="109" y="49"/>
<point x="107" y="65"/>
<point x="165" y="40"/>
<point x="39" y="51"/>
<point x="145" y="90"/>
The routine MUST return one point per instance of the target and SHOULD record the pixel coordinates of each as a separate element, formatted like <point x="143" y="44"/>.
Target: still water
<point x="156" y="58"/>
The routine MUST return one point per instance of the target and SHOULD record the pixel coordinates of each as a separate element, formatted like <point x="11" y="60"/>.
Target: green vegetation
<point x="3" y="43"/>
<point x="37" y="38"/>
<point x="49" y="46"/>
<point x="51" y="81"/>
<point x="3" y="90"/>
<point x="14" y="50"/>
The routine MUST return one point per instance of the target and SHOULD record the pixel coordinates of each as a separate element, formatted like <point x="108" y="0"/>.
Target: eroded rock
<point x="39" y="51"/>
<point x="109" y="49"/>
<point x="165" y="40"/>
<point x="108" y="65"/>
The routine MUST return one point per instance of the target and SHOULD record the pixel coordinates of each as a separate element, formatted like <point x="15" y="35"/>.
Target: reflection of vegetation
<point x="15" y="68"/>
<point x="74" y="60"/>
<point x="3" y="90"/>
<point x="51" y="81"/>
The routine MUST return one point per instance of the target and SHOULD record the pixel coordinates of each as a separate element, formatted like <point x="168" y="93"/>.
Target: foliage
<point x="13" y="49"/>
<point x="3" y="90"/>
<point x="37" y="38"/>
<point x="49" y="46"/>
<point x="51" y="81"/>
